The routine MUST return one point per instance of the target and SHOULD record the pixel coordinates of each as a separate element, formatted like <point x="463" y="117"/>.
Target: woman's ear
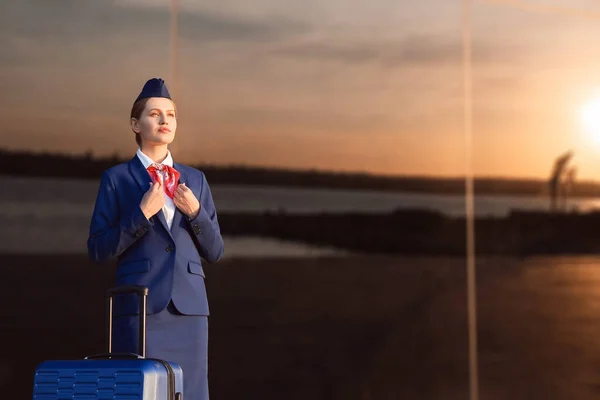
<point x="135" y="125"/>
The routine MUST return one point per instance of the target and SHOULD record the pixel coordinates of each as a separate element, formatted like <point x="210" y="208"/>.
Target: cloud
<point x="72" y="46"/>
<point x="411" y="50"/>
<point x="390" y="54"/>
<point x="214" y="27"/>
<point x="72" y="20"/>
<point x="307" y="120"/>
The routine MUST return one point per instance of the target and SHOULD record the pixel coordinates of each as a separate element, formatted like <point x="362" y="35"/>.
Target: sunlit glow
<point x="590" y="119"/>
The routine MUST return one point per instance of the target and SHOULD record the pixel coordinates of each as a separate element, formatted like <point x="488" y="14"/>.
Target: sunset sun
<point x="589" y="116"/>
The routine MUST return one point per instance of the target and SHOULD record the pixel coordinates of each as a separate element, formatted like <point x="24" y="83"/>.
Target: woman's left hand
<point x="185" y="200"/>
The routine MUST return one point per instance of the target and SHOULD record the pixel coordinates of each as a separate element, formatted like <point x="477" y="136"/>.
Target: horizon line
<point x="117" y="156"/>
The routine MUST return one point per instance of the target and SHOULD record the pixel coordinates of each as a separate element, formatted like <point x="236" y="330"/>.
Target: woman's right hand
<point x="154" y="200"/>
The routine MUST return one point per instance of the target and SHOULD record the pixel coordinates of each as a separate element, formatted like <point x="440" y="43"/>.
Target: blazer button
<point x="169" y="249"/>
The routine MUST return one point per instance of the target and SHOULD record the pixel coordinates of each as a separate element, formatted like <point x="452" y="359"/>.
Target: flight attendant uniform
<point x="164" y="253"/>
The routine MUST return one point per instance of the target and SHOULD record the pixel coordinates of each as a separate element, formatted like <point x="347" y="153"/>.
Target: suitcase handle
<point x="142" y="292"/>
<point x="120" y="356"/>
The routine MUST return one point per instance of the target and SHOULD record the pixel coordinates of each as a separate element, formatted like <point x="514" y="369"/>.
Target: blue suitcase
<point x="111" y="376"/>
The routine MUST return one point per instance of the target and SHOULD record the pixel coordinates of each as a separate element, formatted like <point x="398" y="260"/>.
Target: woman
<point x="158" y="219"/>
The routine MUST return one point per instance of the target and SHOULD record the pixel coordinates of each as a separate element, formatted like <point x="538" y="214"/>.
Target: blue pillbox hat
<point x="154" y="87"/>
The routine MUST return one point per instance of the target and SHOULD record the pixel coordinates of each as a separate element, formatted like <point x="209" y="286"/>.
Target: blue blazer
<point x="167" y="261"/>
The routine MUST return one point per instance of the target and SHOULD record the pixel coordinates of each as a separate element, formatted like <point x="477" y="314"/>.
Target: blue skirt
<point x="175" y="337"/>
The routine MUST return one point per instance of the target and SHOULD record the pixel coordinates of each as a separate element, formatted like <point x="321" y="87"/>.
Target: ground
<point x="338" y="327"/>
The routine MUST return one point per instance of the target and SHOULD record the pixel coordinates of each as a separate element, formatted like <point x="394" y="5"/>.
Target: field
<point x="338" y="328"/>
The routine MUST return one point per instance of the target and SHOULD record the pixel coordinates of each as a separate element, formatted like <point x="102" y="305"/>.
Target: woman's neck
<point x="156" y="153"/>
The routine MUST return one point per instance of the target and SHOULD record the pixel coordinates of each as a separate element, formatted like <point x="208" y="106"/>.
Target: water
<point x="304" y="200"/>
<point x="49" y="216"/>
<point x="26" y="196"/>
<point x="52" y="215"/>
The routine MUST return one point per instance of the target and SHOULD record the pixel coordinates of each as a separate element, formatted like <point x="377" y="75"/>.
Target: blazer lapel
<point x="182" y="179"/>
<point x="143" y="180"/>
<point x="161" y="217"/>
<point x="140" y="174"/>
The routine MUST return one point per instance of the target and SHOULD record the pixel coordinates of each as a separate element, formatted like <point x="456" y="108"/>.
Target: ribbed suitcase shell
<point x="142" y="379"/>
<point x="111" y="376"/>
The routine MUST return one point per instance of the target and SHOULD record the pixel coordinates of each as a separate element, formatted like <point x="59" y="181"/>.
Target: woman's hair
<point x="136" y="112"/>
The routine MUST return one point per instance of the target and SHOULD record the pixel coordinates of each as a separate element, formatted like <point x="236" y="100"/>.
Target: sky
<point x="341" y="85"/>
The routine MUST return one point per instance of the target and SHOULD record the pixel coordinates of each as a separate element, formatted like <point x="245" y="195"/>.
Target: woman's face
<point x="158" y="122"/>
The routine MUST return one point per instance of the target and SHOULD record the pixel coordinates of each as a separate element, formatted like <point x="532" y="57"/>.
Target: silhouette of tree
<point x="556" y="178"/>
<point x="90" y="166"/>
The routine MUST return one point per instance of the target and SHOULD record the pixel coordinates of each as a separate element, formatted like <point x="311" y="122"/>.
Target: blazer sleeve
<point x="110" y="233"/>
<point x="205" y="227"/>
